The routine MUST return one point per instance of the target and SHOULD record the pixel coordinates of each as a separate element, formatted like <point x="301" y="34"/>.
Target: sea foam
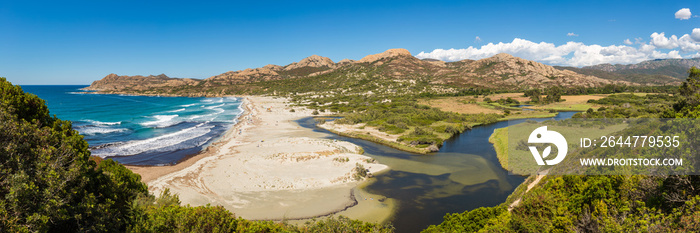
<point x="161" y="121"/>
<point x="186" y="138"/>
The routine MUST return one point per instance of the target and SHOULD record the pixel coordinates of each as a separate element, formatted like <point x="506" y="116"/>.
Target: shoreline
<point x="375" y="139"/>
<point x="266" y="167"/>
<point x="149" y="172"/>
<point x="127" y="93"/>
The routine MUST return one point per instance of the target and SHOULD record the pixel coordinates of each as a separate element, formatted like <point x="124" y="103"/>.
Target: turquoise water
<point x="141" y="130"/>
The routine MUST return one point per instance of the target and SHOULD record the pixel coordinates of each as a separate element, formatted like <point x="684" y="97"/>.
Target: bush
<point x="344" y="224"/>
<point x="420" y="131"/>
<point x="360" y="171"/>
<point x="401" y="125"/>
<point x="452" y="130"/>
<point x="49" y="182"/>
<point x="315" y="112"/>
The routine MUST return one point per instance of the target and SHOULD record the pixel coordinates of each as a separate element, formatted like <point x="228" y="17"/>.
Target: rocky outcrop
<point x="385" y="54"/>
<point x="273" y="67"/>
<point x="345" y="62"/>
<point x="506" y="71"/>
<point x="312" y="61"/>
<point x="114" y="82"/>
<point x="244" y="76"/>
<point x="309" y="66"/>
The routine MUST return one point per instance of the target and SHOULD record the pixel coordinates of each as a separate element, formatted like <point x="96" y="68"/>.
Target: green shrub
<point x="49" y="182"/>
<point x="344" y="224"/>
<point x="360" y="171"/>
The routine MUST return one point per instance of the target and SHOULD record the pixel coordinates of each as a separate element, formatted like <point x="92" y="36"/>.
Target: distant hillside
<point x="626" y="75"/>
<point x="677" y="68"/>
<point x="113" y="82"/>
<point x="384" y="71"/>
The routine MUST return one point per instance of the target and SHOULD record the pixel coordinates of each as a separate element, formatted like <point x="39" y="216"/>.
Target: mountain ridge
<point x="502" y="71"/>
<point x="675" y="67"/>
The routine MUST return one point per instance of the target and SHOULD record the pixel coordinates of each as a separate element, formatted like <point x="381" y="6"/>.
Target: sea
<point x="141" y="130"/>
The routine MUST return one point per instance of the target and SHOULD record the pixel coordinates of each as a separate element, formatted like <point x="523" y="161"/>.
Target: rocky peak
<point x="273" y="67"/>
<point x="316" y="61"/>
<point x="312" y="61"/>
<point x="137" y="82"/>
<point x="111" y="76"/>
<point x="345" y="61"/>
<point x="503" y="57"/>
<point x="256" y="72"/>
<point x="385" y="54"/>
<point x="161" y="76"/>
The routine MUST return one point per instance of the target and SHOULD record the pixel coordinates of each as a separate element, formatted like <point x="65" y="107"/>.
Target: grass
<point x="499" y="139"/>
<point x="577" y="103"/>
<point x="529" y="114"/>
<point x="466" y="105"/>
<point x="495" y="105"/>
<point x="471" y="105"/>
<point x="563" y="107"/>
<point x="519" y="161"/>
<point x="395" y="145"/>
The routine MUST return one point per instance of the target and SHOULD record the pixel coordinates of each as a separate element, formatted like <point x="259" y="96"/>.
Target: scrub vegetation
<point x="606" y="203"/>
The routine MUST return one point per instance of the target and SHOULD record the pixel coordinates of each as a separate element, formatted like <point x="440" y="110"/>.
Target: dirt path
<point x="529" y="186"/>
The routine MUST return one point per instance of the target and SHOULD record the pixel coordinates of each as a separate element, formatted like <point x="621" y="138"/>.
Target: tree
<point x="534" y="95"/>
<point x="690" y="94"/>
<point x="48" y="181"/>
<point x="553" y="94"/>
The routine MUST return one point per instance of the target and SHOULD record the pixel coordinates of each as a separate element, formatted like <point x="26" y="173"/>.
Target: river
<point x="464" y="175"/>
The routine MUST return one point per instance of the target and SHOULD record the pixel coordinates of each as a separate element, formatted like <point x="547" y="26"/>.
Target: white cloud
<point x="477" y="39"/>
<point x="571" y="34"/>
<point x="695" y="34"/>
<point x="683" y="14"/>
<point x="569" y="54"/>
<point x="688" y="44"/>
<point x="660" y="41"/>
<point x="579" y="54"/>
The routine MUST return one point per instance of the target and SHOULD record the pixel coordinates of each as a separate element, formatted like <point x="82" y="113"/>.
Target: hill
<point x="394" y="67"/>
<point x="627" y="75"/>
<point x="676" y="68"/>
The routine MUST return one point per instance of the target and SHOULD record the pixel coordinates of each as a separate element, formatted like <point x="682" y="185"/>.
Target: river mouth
<point x="464" y="175"/>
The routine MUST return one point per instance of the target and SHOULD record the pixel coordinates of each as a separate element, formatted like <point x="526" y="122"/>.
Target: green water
<point x="465" y="174"/>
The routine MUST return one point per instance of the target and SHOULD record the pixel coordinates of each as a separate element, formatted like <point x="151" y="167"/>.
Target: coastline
<point x="149" y="173"/>
<point x="131" y="93"/>
<point x="266" y="167"/>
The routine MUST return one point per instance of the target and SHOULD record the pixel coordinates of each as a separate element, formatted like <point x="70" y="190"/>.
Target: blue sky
<point x="78" y="42"/>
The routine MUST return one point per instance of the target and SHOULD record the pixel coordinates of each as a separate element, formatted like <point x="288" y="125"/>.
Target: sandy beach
<point x="267" y="167"/>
